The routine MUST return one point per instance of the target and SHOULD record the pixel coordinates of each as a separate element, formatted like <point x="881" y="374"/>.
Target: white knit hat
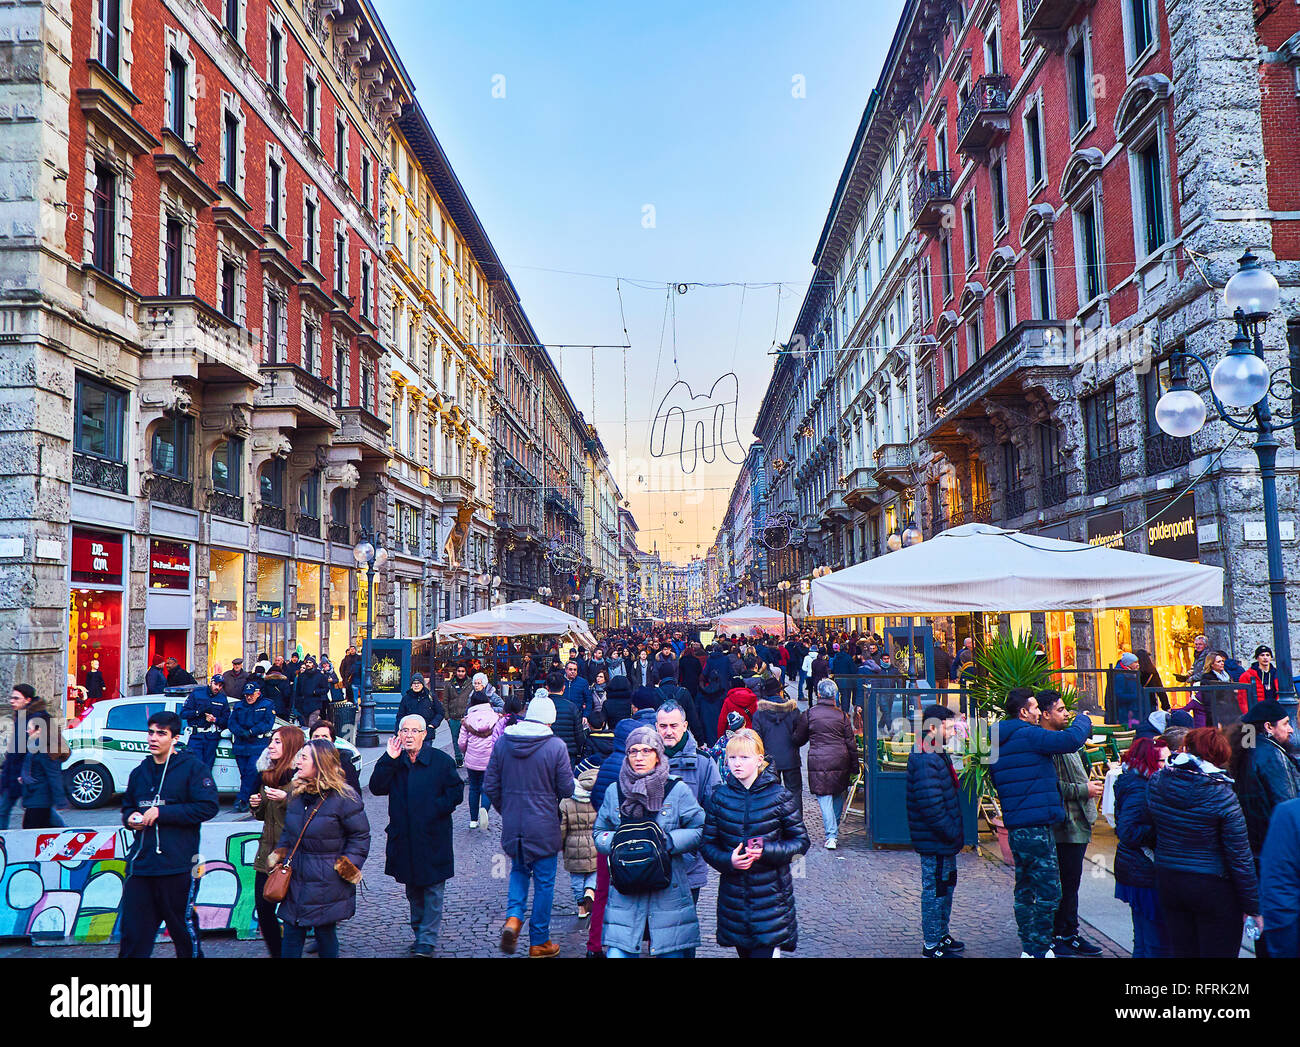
<point x="541" y="710"/>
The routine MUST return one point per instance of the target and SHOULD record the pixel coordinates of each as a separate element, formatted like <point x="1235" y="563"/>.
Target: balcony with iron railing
<point x="1017" y="501"/>
<point x="1165" y="452"/>
<point x="308" y="526"/>
<point x="90" y="470"/>
<point x="1103" y="471"/>
<point x="291" y="388"/>
<point x="862" y="491"/>
<point x="226" y="505"/>
<point x="932" y="199"/>
<point x="340" y="534"/>
<point x="359" y="428"/>
<point x="171" y="490"/>
<point x="982" y="511"/>
<point x="271" y="516"/>
<point x="1043" y="21"/>
<point x="1056" y="489"/>
<point x="894" y="465"/>
<point x="984" y="116"/>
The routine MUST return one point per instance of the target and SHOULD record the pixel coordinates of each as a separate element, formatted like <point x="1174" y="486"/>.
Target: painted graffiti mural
<point x="65" y="885"/>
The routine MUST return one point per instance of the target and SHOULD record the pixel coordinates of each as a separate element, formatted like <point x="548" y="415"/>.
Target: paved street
<point x="852" y="901"/>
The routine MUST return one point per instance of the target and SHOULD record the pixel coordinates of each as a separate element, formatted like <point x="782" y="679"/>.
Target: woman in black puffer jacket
<point x="756" y="911"/>
<point x="1204" y="870"/>
<point x="1135" y="872"/>
<point x="327" y="865"/>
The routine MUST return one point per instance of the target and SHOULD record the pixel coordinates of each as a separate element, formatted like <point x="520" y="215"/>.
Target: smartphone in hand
<point x="754" y="844"/>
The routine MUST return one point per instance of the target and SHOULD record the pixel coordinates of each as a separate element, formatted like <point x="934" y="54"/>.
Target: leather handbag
<point x="276" y="888"/>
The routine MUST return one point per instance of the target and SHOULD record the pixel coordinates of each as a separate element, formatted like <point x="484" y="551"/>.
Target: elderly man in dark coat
<point x="423" y="790"/>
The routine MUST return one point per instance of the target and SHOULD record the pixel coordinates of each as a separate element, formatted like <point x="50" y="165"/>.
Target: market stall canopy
<point x="752" y="618"/>
<point x="978" y="567"/>
<point x="518" y="618"/>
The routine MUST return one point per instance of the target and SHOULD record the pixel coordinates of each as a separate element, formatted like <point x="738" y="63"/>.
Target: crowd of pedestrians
<point x="652" y="765"/>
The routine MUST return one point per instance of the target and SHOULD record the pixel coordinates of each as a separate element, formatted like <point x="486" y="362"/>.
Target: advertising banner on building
<point x="1172" y="533"/>
<point x="1107" y="529"/>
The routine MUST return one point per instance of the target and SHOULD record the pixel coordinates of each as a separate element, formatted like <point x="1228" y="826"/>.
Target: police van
<point x="112" y="739"/>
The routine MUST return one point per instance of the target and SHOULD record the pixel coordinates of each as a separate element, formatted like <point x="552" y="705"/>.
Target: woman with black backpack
<point x="648" y="823"/>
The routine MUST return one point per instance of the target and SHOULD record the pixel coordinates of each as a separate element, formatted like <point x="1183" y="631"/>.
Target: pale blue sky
<point x="688" y="108"/>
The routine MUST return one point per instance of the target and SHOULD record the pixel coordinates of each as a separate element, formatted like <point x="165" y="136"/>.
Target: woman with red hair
<point x="1205" y="874"/>
<point x="1135" y="870"/>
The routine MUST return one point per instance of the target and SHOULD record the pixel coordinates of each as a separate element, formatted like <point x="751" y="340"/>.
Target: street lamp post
<point x="1241" y="380"/>
<point x="784" y="586"/>
<point x="907" y="537"/>
<point x="367" y="554"/>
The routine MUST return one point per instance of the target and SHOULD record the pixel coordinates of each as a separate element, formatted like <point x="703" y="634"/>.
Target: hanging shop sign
<point x="1107" y="529"/>
<point x="96" y="557"/>
<point x="1173" y="532"/>
<point x="223" y="610"/>
<point x="269" y="609"/>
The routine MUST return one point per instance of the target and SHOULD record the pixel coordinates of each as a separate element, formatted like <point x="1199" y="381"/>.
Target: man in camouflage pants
<point x="1025" y="778"/>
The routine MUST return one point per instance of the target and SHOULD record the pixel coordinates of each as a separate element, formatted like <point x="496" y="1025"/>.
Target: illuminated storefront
<point x="1172" y="534"/>
<point x="363" y="596"/>
<point x="306" y="609"/>
<point x="95" y="614"/>
<point x="339" y="632"/>
<point x="1112" y="635"/>
<point x="270" y="636"/>
<point x="1060" y="649"/>
<point x="225" y="606"/>
<point x="169" y="603"/>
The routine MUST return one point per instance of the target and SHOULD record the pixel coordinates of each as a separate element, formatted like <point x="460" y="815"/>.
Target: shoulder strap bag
<point x="276" y="888"/>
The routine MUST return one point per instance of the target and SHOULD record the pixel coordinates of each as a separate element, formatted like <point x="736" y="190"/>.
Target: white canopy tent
<point x="752" y="618"/>
<point x="518" y="618"/>
<point x="978" y="567"/>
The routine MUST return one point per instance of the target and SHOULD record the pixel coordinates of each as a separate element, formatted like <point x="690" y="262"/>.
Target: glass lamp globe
<point x="1180" y="412"/>
<point x="363" y="551"/>
<point x="381" y="558"/>
<point x="912" y="536"/>
<point x="1240" y="379"/>
<point x="1252" y="289"/>
<point x="894" y="543"/>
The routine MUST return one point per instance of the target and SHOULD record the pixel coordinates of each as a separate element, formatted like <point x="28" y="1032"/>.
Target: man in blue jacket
<point x="935" y="823"/>
<point x="168" y="797"/>
<point x="1279" y="883"/>
<point x="206" y="714"/>
<point x="1025" y="778"/>
<point x="577" y="690"/>
<point x="251" y="723"/>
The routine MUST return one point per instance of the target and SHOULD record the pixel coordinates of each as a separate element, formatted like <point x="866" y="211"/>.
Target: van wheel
<point x="87" y="785"/>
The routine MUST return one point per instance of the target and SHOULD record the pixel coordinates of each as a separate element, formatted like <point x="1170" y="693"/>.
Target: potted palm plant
<point x="1003" y="663"/>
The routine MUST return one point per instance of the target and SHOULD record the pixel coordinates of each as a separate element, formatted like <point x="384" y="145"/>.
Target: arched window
<point x="272" y="483"/>
<point x="228" y="465"/>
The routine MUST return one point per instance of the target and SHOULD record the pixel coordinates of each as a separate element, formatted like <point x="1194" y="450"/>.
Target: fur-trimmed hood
<point x="766" y="705"/>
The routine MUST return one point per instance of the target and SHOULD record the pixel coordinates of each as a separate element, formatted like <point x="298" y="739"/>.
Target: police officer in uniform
<point x="251" y="724"/>
<point x="207" y="714"/>
<point x="168" y="797"/>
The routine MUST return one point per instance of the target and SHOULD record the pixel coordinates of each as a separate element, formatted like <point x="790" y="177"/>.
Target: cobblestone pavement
<point x="853" y="901"/>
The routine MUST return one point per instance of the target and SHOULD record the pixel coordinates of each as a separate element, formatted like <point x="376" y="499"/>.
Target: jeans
<point x="7" y="802"/>
<point x="41" y="818"/>
<point x="832" y="807"/>
<point x="1069" y="859"/>
<point x="477" y="797"/>
<point x="267" y="922"/>
<point x="581" y="884"/>
<point x="1038" y="885"/>
<point x="803" y="681"/>
<point x="295" y="937"/>
<point x="1149" y="938"/>
<point x="938" y="884"/>
<point x="542" y="874"/>
<point x="619" y="954"/>
<point x="1202" y="917"/>
<point x="247" y="777"/>
<point x="455" y="739"/>
<point x="426" y="911"/>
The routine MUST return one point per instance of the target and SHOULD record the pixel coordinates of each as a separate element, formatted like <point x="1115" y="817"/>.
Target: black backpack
<point x="639" y="858"/>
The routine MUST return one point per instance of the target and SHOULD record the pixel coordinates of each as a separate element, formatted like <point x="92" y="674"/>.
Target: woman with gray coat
<point x="645" y="791"/>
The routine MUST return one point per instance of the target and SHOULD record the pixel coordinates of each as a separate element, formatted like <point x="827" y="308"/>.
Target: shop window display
<point x="306" y="607"/>
<point x="225" y="606"/>
<point x="363" y="596"/>
<point x="95" y="618"/>
<point x="1113" y="636"/>
<point x="1176" y="630"/>
<point x="338" y="631"/>
<point x="270" y="610"/>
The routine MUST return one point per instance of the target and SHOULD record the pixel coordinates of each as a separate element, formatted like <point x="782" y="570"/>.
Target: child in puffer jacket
<point x="577" y="819"/>
<point x="479" y="732"/>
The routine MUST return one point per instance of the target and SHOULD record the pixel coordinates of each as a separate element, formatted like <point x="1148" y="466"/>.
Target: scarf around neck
<point x="643" y="795"/>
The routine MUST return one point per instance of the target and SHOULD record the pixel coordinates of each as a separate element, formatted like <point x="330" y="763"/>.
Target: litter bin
<point x="343" y="714"/>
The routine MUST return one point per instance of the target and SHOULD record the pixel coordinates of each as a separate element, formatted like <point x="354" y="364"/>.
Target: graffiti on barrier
<point x="66" y="885"/>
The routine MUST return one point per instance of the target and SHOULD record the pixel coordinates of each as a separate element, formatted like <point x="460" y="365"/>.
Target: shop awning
<point x="978" y="567"/>
<point x="518" y="618"/>
<point x="752" y="618"/>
